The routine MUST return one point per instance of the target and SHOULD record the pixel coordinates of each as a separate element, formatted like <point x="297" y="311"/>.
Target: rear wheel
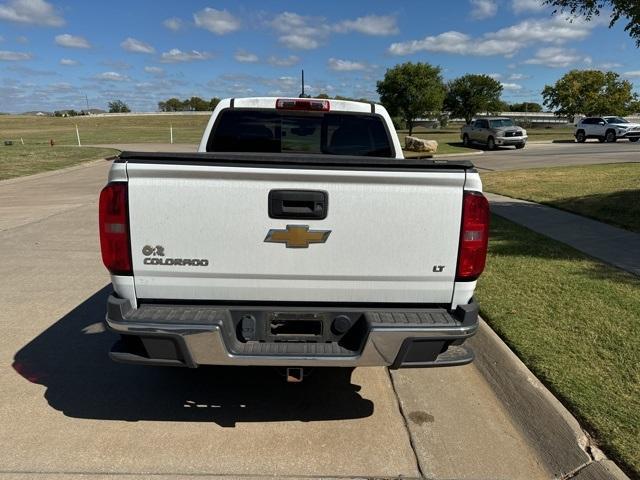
<point x="465" y="140"/>
<point x="491" y="143"/>
<point x="601" y="139"/>
<point x="581" y="137"/>
<point x="610" y="136"/>
<point x="633" y="139"/>
<point x="519" y="145"/>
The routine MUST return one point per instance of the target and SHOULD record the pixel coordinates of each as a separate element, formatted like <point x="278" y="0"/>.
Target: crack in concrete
<point x="406" y="424"/>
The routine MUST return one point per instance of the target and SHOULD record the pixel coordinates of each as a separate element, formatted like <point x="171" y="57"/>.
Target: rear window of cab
<point x="273" y="131"/>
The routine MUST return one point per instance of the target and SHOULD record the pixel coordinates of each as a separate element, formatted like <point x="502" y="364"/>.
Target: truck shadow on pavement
<point x="70" y="359"/>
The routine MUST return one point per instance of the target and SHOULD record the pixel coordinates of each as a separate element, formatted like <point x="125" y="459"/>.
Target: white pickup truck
<point x="298" y="236"/>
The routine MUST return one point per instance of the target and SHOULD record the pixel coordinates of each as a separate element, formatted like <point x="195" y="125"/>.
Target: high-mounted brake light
<point x="114" y="229"/>
<point x="303" y="104"/>
<point x="474" y="236"/>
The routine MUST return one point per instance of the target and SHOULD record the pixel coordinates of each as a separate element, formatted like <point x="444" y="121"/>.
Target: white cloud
<point x="72" y="41"/>
<point x="173" y="23"/>
<point x="243" y="56"/>
<point x="632" y="74"/>
<point x="299" y="42"/>
<point x="482" y="9"/>
<point x="456" y="43"/>
<point x="137" y="46"/>
<point x="346" y="65"/>
<point x="22" y="39"/>
<point x="557" y="57"/>
<point x="154" y="70"/>
<point x="521" y="6"/>
<point x="8" y="56"/>
<point x="111" y="77"/>
<point x="219" y="22"/>
<point x="378" y="25"/>
<point x="554" y="30"/>
<point x="283" y="61"/>
<point x="495" y="76"/>
<point x="67" y="62"/>
<point x="609" y="65"/>
<point x="506" y="41"/>
<point x="511" y="86"/>
<point x="518" y="76"/>
<point x="176" y="55"/>
<point x="299" y="32"/>
<point x="37" y="12"/>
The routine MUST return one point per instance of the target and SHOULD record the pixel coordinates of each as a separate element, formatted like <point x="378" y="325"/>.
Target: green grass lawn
<point x="609" y="193"/>
<point x="575" y="322"/>
<point x="18" y="160"/>
<point x="98" y="130"/>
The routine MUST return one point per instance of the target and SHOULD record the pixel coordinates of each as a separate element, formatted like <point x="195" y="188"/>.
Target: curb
<point x="564" y="448"/>
<point x="445" y="155"/>
<point x="52" y="173"/>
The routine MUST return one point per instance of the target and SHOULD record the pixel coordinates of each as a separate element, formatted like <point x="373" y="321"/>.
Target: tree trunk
<point x="410" y="123"/>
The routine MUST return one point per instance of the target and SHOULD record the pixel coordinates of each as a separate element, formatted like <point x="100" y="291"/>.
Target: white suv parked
<point x="606" y="129"/>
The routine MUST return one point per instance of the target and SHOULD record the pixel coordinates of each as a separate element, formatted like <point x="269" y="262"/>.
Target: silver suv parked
<point x="606" y="129"/>
<point x="492" y="132"/>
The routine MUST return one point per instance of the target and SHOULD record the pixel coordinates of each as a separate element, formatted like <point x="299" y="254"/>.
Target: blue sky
<point x="53" y="53"/>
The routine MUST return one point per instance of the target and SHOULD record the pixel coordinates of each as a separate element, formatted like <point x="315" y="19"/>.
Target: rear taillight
<point x="303" y="104"/>
<point x="114" y="229"/>
<point x="474" y="236"/>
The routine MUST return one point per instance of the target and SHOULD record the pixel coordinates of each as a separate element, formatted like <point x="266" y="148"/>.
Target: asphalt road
<point x="66" y="410"/>
<point x="541" y="155"/>
<point x="534" y="155"/>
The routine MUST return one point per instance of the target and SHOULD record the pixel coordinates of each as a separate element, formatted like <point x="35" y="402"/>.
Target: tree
<point x="412" y="90"/>
<point x="472" y="94"/>
<point x="173" y="105"/>
<point x="590" y="92"/>
<point x="629" y="9"/>
<point x="213" y="103"/>
<point x="198" y="105"/>
<point x="118" y="106"/>
<point x="525" y="107"/>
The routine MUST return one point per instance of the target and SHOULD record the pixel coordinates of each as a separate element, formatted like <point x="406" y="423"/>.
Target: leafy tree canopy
<point x="590" y="92"/>
<point x="525" y="107"/>
<point x="472" y="94"/>
<point x="118" y="106"/>
<point x="411" y="90"/>
<point x="627" y="9"/>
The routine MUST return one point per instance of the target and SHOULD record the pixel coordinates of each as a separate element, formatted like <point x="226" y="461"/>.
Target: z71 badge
<point x="155" y="256"/>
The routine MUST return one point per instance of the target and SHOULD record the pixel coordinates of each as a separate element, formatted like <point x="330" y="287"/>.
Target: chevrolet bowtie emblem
<point x="297" y="236"/>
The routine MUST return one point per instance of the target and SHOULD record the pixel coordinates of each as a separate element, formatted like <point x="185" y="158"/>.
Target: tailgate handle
<point x="300" y="204"/>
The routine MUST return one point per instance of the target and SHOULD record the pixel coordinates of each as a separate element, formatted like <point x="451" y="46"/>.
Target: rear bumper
<point x="193" y="335"/>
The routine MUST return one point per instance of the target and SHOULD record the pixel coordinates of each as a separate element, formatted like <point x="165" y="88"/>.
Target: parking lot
<point x="67" y="409"/>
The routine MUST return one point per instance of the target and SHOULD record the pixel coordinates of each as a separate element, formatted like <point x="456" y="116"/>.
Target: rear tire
<point x="610" y="136"/>
<point x="581" y="137"/>
<point x="601" y="139"/>
<point x="520" y="146"/>
<point x="491" y="143"/>
<point x="465" y="140"/>
<point x="634" y="139"/>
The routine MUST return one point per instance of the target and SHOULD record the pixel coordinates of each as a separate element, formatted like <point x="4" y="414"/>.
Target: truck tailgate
<point x="198" y="232"/>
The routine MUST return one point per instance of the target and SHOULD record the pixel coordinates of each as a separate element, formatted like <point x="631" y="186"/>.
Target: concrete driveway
<point x="66" y="410"/>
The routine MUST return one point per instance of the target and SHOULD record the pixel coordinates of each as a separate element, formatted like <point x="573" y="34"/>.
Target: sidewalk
<point x="612" y="245"/>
